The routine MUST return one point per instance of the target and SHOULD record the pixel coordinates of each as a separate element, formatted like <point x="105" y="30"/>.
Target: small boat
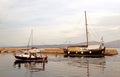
<point x="31" y="54"/>
<point x="85" y="50"/>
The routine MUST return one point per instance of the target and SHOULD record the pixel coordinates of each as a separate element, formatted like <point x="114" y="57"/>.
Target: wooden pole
<point x="86" y="25"/>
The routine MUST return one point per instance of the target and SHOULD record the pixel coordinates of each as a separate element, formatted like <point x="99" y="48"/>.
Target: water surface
<point x="60" y="66"/>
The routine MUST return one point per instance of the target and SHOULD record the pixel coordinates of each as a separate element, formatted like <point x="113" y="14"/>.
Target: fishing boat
<point x="86" y="49"/>
<point x="31" y="54"/>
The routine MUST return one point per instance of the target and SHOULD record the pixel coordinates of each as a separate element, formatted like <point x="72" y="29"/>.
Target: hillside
<point x="113" y="44"/>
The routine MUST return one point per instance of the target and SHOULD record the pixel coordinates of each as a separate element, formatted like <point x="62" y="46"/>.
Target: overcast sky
<point x="58" y="21"/>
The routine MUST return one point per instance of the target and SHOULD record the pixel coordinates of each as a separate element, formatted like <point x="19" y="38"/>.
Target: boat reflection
<point x="89" y="56"/>
<point x="90" y="64"/>
<point x="32" y="66"/>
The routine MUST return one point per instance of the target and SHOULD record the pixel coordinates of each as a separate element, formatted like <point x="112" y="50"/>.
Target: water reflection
<point x="90" y="64"/>
<point x="34" y="66"/>
<point x="60" y="66"/>
<point x="88" y="56"/>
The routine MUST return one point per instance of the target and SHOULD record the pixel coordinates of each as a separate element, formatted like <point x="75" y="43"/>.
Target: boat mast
<point x="30" y="39"/>
<point x="86" y="25"/>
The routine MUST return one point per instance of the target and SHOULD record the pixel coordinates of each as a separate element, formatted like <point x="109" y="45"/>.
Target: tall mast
<point x="86" y="25"/>
<point x="30" y="39"/>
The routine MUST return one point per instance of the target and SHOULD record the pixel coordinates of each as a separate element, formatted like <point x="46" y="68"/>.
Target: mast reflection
<point x="33" y="66"/>
<point x="89" y="64"/>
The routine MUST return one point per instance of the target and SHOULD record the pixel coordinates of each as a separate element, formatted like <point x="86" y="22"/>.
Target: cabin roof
<point x="78" y="46"/>
<point x="93" y="46"/>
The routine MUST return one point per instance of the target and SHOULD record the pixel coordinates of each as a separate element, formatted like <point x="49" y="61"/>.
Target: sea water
<point x="60" y="66"/>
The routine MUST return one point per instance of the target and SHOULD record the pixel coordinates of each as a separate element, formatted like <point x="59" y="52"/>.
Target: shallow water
<point x="60" y="66"/>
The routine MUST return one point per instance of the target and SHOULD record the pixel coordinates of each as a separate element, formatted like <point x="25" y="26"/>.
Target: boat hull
<point x="91" y="52"/>
<point x="31" y="59"/>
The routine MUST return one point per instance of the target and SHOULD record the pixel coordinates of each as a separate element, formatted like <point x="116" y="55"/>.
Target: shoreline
<point x="108" y="51"/>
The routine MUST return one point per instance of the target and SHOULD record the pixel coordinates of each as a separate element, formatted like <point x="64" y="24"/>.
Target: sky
<point x="58" y="21"/>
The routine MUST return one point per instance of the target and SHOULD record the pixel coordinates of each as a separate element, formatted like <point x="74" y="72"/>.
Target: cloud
<point x="55" y="21"/>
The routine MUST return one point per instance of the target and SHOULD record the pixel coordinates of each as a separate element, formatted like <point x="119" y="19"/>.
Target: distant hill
<point x="64" y="45"/>
<point x="113" y="44"/>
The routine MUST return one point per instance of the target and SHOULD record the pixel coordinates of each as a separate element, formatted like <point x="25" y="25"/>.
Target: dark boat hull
<point x="31" y="59"/>
<point x="91" y="52"/>
<point x="24" y="61"/>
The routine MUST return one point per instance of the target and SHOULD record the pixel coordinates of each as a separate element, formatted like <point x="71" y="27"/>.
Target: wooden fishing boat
<point x="86" y="50"/>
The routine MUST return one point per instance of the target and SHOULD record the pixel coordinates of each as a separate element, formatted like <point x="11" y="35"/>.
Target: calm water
<point x="59" y="66"/>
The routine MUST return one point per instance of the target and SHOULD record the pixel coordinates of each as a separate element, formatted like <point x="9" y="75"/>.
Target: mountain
<point x="64" y="45"/>
<point x="113" y="44"/>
